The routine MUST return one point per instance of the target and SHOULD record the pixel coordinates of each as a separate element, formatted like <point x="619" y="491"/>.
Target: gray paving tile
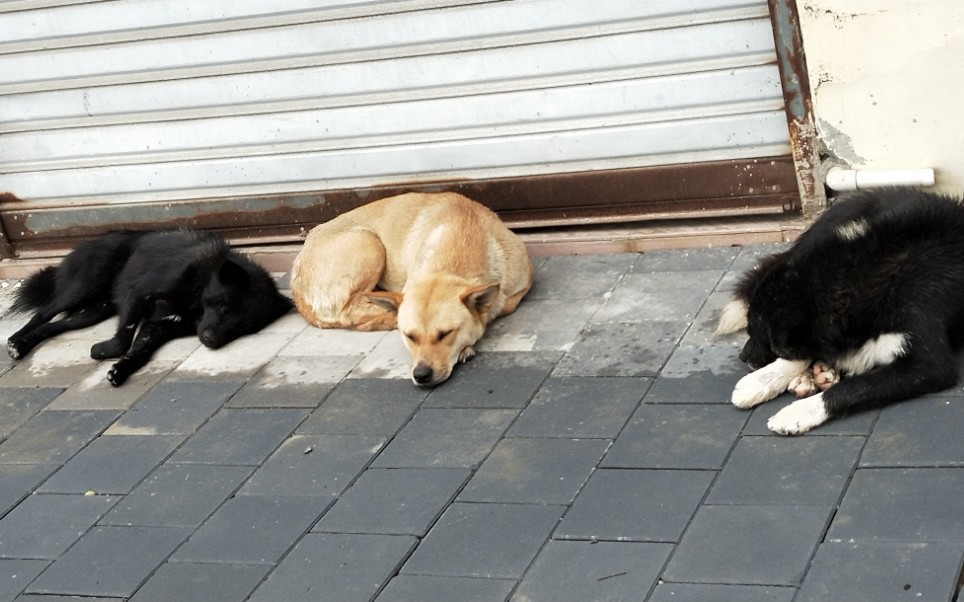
<point x="692" y="592"/>
<point x="208" y="582"/>
<point x="109" y="561"/>
<point x="335" y="567"/>
<point x="18" y="405"/>
<point x="698" y="387"/>
<point x="400" y="501"/>
<point x="580" y="407"/>
<point x="59" y="598"/>
<point x="493" y="380"/>
<point x="17" y="481"/>
<point x="860" y="423"/>
<point x="751" y="254"/>
<point x="314" y="465"/>
<point x="889" y="572"/>
<point x="112" y="464"/>
<point x="282" y="396"/>
<point x="618" y="349"/>
<point x="539" y="471"/>
<point x="58" y="363"/>
<point x="703" y="329"/>
<point x="539" y="325"/>
<point x="32" y="443"/>
<point x="245" y="436"/>
<point x="16" y="574"/>
<point x="94" y="392"/>
<point x="388" y="359"/>
<point x="252" y="530"/>
<point x="321" y="342"/>
<point x="579" y="277"/>
<point x="178" y="495"/>
<point x="770" y="470"/>
<point x="657" y="296"/>
<point x="174" y="408"/>
<point x="484" y="540"/>
<point x="677" y="436"/>
<point x="576" y="571"/>
<point x="705" y="360"/>
<point x="635" y="505"/>
<point x="918" y="504"/>
<point x="439" y="438"/>
<point x="421" y="588"/>
<point x="237" y="361"/>
<point x="676" y="260"/>
<point x="748" y="545"/>
<point x="292" y="381"/>
<point x="365" y="406"/>
<point x="921" y="432"/>
<point x="44" y="526"/>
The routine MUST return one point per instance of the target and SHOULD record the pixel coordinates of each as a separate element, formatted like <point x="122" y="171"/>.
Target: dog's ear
<point x="387" y="300"/>
<point x="232" y="274"/>
<point x="479" y="299"/>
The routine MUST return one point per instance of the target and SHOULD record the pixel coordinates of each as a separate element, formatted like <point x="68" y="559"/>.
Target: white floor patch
<point x="800" y="416"/>
<point x="767" y="382"/>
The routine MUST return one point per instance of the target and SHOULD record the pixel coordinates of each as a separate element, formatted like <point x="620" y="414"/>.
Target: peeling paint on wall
<point x="838" y="144"/>
<point x="883" y="98"/>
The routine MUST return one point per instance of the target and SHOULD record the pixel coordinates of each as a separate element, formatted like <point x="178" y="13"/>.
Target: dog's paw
<point x="819" y="377"/>
<point x="107" y="349"/>
<point x="13" y="350"/>
<point x="466" y="354"/>
<point x="824" y="376"/>
<point x="803" y="385"/>
<point x="117" y="376"/>
<point x="767" y="382"/>
<point x="800" y="416"/>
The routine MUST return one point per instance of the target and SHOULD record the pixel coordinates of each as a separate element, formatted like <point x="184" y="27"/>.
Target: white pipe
<point x="841" y="179"/>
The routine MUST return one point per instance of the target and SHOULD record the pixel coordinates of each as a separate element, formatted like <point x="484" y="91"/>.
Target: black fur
<point x="903" y="272"/>
<point x="162" y="285"/>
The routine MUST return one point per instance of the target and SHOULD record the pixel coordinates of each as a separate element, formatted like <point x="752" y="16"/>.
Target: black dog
<point x="874" y="289"/>
<point x="162" y="285"/>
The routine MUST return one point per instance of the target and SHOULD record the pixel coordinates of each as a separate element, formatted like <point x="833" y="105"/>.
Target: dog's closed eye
<point x="442" y="334"/>
<point x="411" y="337"/>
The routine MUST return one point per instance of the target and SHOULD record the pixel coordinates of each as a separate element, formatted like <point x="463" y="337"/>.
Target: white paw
<point x="800" y="416"/>
<point x="803" y="385"/>
<point x="767" y="382"/>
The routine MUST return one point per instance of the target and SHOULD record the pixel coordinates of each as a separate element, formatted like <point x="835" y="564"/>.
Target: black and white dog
<point x="872" y="291"/>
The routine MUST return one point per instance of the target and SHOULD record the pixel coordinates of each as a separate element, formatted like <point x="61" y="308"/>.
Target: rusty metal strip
<point x="798" y="104"/>
<point x="751" y="186"/>
<point x="6" y="248"/>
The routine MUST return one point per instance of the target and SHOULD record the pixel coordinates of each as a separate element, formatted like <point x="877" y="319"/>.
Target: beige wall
<point x="887" y="78"/>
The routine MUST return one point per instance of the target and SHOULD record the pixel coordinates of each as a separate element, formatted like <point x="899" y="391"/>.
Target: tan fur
<point x="442" y="264"/>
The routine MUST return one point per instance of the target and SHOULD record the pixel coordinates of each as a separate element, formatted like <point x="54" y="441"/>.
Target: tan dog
<point x="439" y="267"/>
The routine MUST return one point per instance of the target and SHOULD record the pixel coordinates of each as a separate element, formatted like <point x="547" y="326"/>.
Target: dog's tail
<point x="733" y="318"/>
<point x="36" y="290"/>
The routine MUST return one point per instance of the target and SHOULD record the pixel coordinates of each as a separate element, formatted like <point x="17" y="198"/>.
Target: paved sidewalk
<point x="588" y="452"/>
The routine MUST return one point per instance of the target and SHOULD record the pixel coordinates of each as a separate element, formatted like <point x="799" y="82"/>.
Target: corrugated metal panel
<point x="171" y="101"/>
<point x="448" y="70"/>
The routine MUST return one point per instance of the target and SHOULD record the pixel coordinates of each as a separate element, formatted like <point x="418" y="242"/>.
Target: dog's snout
<point x="422" y="374"/>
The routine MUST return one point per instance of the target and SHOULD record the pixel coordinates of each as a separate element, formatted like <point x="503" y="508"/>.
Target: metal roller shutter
<point x="263" y="118"/>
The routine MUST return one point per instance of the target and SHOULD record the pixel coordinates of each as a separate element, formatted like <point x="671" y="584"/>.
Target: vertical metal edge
<point x="6" y="245"/>
<point x="792" y="63"/>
